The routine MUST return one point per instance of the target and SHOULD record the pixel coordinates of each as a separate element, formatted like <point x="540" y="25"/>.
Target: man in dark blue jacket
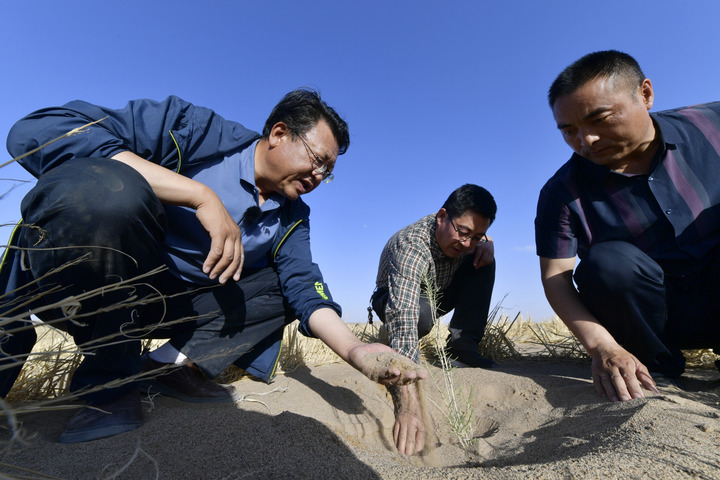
<point x="165" y="220"/>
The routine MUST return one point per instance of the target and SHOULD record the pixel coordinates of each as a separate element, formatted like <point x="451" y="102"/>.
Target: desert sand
<point x="532" y="420"/>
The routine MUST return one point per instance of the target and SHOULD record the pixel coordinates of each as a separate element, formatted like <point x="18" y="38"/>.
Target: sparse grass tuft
<point x="557" y="341"/>
<point x="459" y="411"/>
<point x="701" y="358"/>
<point x="47" y="372"/>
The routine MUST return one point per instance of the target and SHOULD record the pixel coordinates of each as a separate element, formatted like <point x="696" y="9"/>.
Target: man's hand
<point x="382" y="364"/>
<point x="375" y="360"/>
<point x="409" y="430"/>
<point x="618" y="375"/>
<point x="226" y="254"/>
<point x="484" y="254"/>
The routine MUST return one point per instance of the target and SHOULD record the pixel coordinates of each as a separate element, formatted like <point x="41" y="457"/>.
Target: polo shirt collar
<point x="668" y="132"/>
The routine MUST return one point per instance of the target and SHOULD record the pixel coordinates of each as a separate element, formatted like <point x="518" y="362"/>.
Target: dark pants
<point x="114" y="222"/>
<point x="651" y="310"/>
<point x="469" y="293"/>
<point x="229" y="321"/>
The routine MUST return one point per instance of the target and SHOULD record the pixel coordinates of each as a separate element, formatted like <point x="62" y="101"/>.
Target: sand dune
<point x="533" y="420"/>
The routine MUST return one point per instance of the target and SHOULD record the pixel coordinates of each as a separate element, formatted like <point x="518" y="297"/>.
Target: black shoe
<point x="121" y="415"/>
<point x="184" y="382"/>
<point x="471" y="359"/>
<point x="665" y="381"/>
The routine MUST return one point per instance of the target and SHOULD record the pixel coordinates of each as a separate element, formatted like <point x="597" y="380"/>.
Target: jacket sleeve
<point x="301" y="281"/>
<point x="172" y="133"/>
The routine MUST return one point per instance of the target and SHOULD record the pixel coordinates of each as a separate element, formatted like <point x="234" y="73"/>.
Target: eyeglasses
<point x="462" y="236"/>
<point x="319" y="166"/>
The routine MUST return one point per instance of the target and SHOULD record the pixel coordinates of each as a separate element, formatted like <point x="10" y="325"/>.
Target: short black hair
<point x="606" y="63"/>
<point x="301" y="110"/>
<point x="471" y="197"/>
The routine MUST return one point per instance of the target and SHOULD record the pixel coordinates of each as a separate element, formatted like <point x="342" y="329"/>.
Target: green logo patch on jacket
<point x="321" y="290"/>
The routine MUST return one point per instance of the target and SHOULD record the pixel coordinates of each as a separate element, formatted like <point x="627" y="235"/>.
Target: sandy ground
<point x="532" y="420"/>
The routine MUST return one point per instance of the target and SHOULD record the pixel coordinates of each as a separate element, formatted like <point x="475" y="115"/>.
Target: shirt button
<point x="650" y="179"/>
<point x="668" y="211"/>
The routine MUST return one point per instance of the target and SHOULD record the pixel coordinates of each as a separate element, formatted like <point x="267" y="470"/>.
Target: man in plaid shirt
<point x="449" y="251"/>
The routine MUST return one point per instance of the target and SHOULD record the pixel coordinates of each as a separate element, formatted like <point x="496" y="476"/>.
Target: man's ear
<point x="278" y="132"/>
<point x="441" y="214"/>
<point x="648" y="96"/>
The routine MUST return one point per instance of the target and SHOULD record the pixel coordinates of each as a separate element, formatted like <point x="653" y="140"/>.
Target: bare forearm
<point x="566" y="302"/>
<point x="170" y="187"/>
<point x="226" y="256"/>
<point x="375" y="360"/>
<point x="329" y="327"/>
<point x="578" y="319"/>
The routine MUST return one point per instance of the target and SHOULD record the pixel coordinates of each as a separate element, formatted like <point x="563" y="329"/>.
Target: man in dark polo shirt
<point x="639" y="203"/>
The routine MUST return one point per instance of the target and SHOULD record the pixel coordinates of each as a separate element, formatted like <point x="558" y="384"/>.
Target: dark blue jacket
<point x="175" y="134"/>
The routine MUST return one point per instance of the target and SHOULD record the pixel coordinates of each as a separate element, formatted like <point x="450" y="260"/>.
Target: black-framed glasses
<point x="462" y="236"/>
<point x="319" y="166"/>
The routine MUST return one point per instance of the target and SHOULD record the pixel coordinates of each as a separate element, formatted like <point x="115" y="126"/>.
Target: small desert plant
<point x="459" y="411"/>
<point x="702" y="358"/>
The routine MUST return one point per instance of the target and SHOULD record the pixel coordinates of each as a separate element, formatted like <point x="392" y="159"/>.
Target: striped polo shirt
<point x="672" y="214"/>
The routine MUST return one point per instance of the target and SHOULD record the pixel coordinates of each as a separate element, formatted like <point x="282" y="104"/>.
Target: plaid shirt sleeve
<point x="406" y="269"/>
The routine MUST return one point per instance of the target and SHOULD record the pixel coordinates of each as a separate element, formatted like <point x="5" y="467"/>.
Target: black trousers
<point x="469" y="293"/>
<point x="96" y="223"/>
<point x="651" y="310"/>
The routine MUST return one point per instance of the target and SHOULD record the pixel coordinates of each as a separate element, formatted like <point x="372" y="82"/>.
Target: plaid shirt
<point x="411" y="255"/>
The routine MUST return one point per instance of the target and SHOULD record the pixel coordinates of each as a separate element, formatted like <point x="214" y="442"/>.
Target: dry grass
<point x="46" y="373"/>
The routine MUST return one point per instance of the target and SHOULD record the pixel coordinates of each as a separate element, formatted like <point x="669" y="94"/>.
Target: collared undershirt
<point x="233" y="180"/>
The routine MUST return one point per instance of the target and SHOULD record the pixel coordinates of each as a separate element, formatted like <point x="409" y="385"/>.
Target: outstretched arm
<point x="617" y="374"/>
<point x="375" y="360"/>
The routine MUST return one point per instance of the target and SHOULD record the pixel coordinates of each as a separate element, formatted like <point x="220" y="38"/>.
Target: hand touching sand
<point x="381" y="364"/>
<point x="618" y="375"/>
<point x="411" y="424"/>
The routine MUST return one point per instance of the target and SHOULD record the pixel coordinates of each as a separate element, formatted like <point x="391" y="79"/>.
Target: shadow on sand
<point x="184" y="441"/>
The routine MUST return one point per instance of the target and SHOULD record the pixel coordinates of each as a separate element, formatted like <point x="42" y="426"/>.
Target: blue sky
<point x="436" y="94"/>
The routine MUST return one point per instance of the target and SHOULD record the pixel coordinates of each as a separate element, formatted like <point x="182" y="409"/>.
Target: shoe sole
<point x="152" y="387"/>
